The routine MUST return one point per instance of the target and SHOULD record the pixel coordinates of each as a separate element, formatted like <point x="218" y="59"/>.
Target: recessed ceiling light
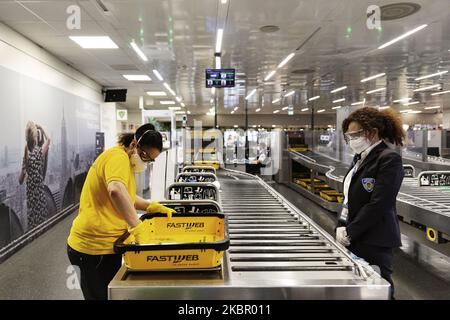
<point x="411" y="103"/>
<point x="320" y="111"/>
<point x="157" y="93"/>
<point x="431" y="75"/>
<point x="235" y="108"/>
<point x="137" y="77"/>
<point x="433" y="107"/>
<point x="284" y="108"/>
<point x="270" y="75"/>
<point x="286" y="60"/>
<point x="427" y="88"/>
<point x="289" y="93"/>
<point x="339" y="100"/>
<point x="373" y="77"/>
<point x="415" y="111"/>
<point x="158" y="75"/>
<point x="276" y="111"/>
<point x="385" y="107"/>
<point x="175" y="108"/>
<point x="439" y="93"/>
<point x="402" y="100"/>
<point x="236" y="126"/>
<point x="276" y="100"/>
<point x="339" y="89"/>
<point x="405" y="111"/>
<point x="314" y="98"/>
<point x="169" y="88"/>
<point x="304" y="109"/>
<point x="232" y="112"/>
<point x="102" y="42"/>
<point x="219" y="40"/>
<point x="167" y="102"/>
<point x="138" y="51"/>
<point x="358" y="103"/>
<point x="180" y="112"/>
<point x="188" y="112"/>
<point x="403" y="36"/>
<point x="338" y="107"/>
<point x="250" y="94"/>
<point x="178" y="99"/>
<point x="258" y="110"/>
<point x="376" y="90"/>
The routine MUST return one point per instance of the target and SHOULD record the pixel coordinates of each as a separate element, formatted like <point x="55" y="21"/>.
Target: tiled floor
<point x="40" y="270"/>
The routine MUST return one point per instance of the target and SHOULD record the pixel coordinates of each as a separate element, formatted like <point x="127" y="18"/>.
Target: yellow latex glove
<point x="142" y="232"/>
<point x="155" y="207"/>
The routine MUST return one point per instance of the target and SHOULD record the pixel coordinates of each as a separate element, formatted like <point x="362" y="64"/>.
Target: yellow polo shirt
<point x="98" y="224"/>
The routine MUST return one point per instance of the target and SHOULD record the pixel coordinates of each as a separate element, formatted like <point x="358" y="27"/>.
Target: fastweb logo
<point x="185" y="225"/>
<point x="173" y="258"/>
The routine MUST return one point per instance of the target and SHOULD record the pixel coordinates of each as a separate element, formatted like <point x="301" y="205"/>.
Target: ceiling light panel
<point x="102" y="42"/>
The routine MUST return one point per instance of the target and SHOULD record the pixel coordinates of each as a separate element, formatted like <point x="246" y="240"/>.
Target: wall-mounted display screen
<point x="220" y="78"/>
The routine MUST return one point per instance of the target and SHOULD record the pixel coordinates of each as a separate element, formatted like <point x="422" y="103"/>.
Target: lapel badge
<point x="368" y="184"/>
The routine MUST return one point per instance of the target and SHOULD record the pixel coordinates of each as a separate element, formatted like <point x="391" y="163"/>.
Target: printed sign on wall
<point x="122" y="115"/>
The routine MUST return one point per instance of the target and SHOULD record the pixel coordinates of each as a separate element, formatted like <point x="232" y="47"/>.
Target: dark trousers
<point x="96" y="272"/>
<point x="378" y="256"/>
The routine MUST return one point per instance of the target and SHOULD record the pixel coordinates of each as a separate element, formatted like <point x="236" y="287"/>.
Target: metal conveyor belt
<point x="276" y="252"/>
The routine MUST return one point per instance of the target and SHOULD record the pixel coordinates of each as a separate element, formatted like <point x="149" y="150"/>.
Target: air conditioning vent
<point x="399" y="10"/>
<point x="269" y="29"/>
<point x="124" y="67"/>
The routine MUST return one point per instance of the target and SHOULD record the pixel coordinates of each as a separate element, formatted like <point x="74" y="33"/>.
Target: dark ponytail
<point x="392" y="130"/>
<point x="125" y="139"/>
<point x="388" y="123"/>
<point x="145" y="134"/>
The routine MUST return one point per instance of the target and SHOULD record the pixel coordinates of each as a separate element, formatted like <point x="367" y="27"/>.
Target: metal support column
<point x="246" y="132"/>
<point x="425" y="145"/>
<point x="312" y="127"/>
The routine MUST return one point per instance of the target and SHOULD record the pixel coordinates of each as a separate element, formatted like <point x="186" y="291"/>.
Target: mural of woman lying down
<point x="34" y="169"/>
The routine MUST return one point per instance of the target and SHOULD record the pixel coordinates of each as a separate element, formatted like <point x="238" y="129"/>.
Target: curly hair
<point x="387" y="121"/>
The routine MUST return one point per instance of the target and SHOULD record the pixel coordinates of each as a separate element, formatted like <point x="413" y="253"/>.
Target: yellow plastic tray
<point x="208" y="163"/>
<point x="328" y="197"/>
<point x="187" y="241"/>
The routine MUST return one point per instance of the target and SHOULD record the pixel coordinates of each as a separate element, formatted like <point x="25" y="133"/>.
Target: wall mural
<point x="48" y="141"/>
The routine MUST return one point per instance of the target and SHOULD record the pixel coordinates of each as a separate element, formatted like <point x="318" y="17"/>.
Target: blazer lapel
<point x="372" y="155"/>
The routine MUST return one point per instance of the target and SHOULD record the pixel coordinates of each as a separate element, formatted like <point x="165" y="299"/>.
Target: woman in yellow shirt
<point x="108" y="205"/>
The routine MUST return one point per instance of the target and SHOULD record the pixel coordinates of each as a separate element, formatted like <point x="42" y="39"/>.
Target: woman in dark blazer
<point x="368" y="224"/>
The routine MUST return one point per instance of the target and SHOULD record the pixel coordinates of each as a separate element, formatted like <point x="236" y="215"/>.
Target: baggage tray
<point x="187" y="241"/>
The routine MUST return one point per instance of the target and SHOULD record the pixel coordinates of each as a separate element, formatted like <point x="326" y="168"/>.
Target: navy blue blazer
<point x="372" y="217"/>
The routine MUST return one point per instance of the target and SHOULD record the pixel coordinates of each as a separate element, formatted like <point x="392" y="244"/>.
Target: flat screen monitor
<point x="220" y="78"/>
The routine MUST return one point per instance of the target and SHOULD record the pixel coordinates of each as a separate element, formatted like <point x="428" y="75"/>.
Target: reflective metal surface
<point x="427" y="206"/>
<point x="276" y="252"/>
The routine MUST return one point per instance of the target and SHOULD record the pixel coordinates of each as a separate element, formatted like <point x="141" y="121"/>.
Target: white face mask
<point x="359" y="145"/>
<point x="137" y="164"/>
